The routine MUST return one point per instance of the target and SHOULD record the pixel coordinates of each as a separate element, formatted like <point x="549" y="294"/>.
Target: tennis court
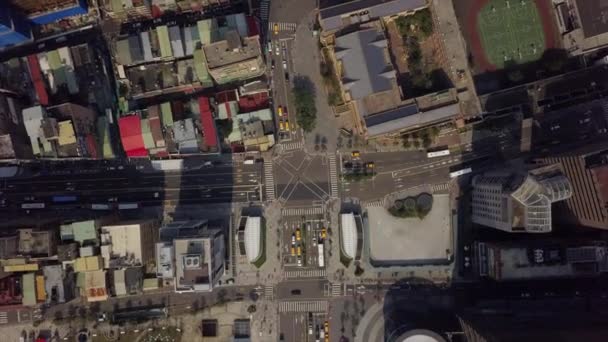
<point x="511" y="32"/>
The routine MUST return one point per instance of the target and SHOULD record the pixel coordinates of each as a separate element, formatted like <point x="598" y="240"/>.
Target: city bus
<point x="440" y="153"/>
<point x="64" y="199"/>
<point x="32" y="206"/>
<point x="460" y="172"/>
<point x="321" y="255"/>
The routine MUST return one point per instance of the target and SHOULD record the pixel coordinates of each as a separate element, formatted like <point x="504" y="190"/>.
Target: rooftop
<point x="367" y="68"/>
<point x="332" y="11"/>
<point x="253" y="240"/>
<point x="407" y="117"/>
<point x="348" y="235"/>
<point x="592" y="15"/>
<point x="234" y="50"/>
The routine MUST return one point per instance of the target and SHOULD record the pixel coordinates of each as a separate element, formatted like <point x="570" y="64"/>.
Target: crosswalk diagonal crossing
<point x="3" y="317"/>
<point x="305" y="274"/>
<point x="304" y="306"/>
<point x="333" y="176"/>
<point x="302" y="211"/>
<point x="287" y="27"/>
<point x="269" y="181"/>
<point x="268" y="292"/>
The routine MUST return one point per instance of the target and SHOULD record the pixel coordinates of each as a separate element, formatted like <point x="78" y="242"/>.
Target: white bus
<point x="321" y="255"/>
<point x="32" y="206"/>
<point x="460" y="172"/>
<point x="441" y="153"/>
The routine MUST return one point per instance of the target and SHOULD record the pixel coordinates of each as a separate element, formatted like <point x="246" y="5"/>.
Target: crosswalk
<point x="441" y="187"/>
<point x="291" y="146"/>
<point x="305" y="274"/>
<point x="269" y="181"/>
<point x="333" y="176"/>
<point x="376" y="204"/>
<point x="264" y="10"/>
<point x="336" y="290"/>
<point x="304" y="306"/>
<point x="269" y="292"/>
<point x="605" y="108"/>
<point x="3" y="317"/>
<point x="302" y="211"/>
<point x="287" y="27"/>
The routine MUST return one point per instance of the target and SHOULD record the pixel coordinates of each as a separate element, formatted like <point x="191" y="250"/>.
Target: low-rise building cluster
<point x="106" y="257"/>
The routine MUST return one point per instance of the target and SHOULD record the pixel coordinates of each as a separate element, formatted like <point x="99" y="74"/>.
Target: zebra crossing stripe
<point x="269" y="181"/>
<point x="306" y="274"/>
<point x="3" y="317"/>
<point x="289" y="27"/>
<point x="333" y="176"/>
<point x="441" y="187"/>
<point x="269" y="292"/>
<point x="302" y="211"/>
<point x="376" y="204"/>
<point x="336" y="290"/>
<point x="291" y="146"/>
<point x="303" y="306"/>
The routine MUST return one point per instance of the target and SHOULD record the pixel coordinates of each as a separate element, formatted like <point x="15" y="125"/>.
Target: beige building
<point x="129" y="243"/>
<point x="234" y="58"/>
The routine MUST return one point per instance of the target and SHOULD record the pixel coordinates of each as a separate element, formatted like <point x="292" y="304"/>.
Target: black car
<point x="296" y="292"/>
<point x="272" y="64"/>
<point x="286" y="76"/>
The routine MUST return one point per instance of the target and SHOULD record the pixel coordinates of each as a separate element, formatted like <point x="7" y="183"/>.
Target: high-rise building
<point x="587" y="169"/>
<point x="519" y="202"/>
<point x="14" y="27"/>
<point x="504" y="261"/>
<point x="191" y="253"/>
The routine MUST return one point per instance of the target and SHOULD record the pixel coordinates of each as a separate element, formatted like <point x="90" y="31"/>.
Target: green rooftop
<point x="163" y="40"/>
<point x="81" y="232"/>
<point x="28" y="281"/>
<point x="166" y="113"/>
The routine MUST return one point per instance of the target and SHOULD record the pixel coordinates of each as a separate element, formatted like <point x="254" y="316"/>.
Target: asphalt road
<point x="310" y="289"/>
<point x="218" y="184"/>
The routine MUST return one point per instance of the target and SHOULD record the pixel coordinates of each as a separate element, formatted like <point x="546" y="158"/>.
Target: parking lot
<point x="302" y="241"/>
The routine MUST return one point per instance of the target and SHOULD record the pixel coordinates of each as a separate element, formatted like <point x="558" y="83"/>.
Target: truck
<point x="321" y="258"/>
<point x="461" y="172"/>
<point x="127" y="206"/>
<point x="100" y="206"/>
<point x="32" y="206"/>
<point x="249" y="161"/>
<point x="64" y="199"/>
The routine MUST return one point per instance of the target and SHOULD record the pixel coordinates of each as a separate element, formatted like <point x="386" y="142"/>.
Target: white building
<point x="192" y="254"/>
<point x="515" y="202"/>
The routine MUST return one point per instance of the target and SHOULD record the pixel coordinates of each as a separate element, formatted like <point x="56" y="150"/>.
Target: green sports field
<point x="511" y="32"/>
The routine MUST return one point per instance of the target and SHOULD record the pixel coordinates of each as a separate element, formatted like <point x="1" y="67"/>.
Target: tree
<point x="123" y="90"/>
<point x="251" y="309"/>
<point x="304" y="100"/>
<point x="515" y="76"/>
<point x="225" y="127"/>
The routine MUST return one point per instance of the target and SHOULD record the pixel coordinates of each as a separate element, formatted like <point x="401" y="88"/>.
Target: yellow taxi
<point x="293" y="251"/>
<point x="355" y="154"/>
<point x="287" y="125"/>
<point x="280" y="111"/>
<point x="298" y="235"/>
<point x="281" y="126"/>
<point x="275" y="28"/>
<point x="299" y="251"/>
<point x="326" y="328"/>
<point x="323" y="233"/>
<point x="371" y="165"/>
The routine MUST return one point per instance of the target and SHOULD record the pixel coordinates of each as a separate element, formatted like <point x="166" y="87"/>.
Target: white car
<point x="293" y="239"/>
<point x="299" y="261"/>
<point x="277" y="51"/>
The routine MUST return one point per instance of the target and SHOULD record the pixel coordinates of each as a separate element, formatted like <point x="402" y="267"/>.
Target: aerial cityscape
<point x="304" y="170"/>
